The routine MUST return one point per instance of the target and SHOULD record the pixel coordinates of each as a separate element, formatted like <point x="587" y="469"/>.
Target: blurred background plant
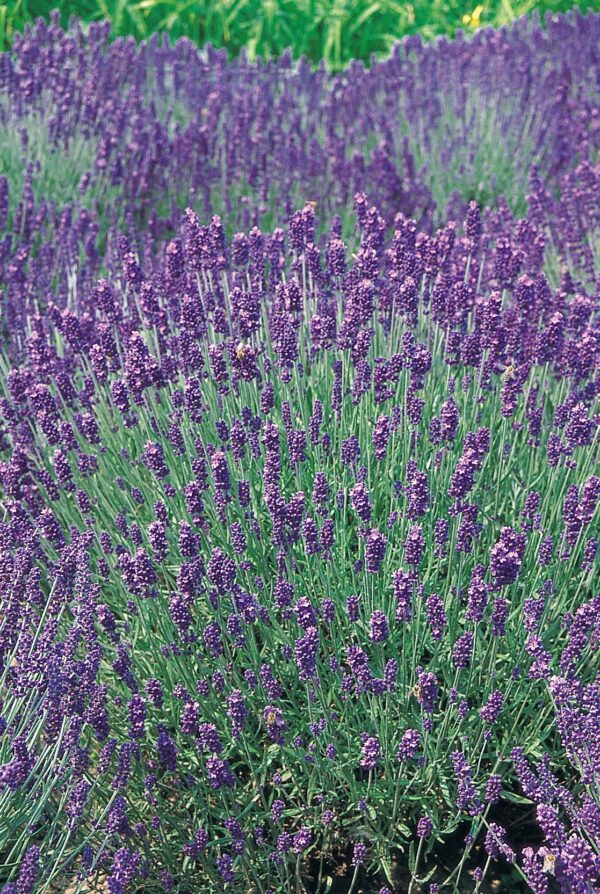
<point x="333" y="30"/>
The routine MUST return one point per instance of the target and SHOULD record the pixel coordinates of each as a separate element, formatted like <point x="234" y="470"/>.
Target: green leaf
<point x="366" y="14"/>
<point x="430" y="874"/>
<point x="412" y="858"/>
<point x="515" y="798"/>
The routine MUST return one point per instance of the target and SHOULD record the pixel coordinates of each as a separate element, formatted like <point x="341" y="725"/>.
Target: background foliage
<point x="333" y="30"/>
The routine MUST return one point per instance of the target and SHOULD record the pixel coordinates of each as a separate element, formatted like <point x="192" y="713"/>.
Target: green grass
<point x="333" y="30"/>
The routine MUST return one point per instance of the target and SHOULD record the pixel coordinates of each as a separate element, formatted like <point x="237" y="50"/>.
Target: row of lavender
<point x="299" y="536"/>
<point x="100" y="137"/>
<point x="289" y="538"/>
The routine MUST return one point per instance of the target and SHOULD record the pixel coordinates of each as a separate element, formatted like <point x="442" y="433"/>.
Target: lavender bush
<point x="103" y="138"/>
<point x="299" y="530"/>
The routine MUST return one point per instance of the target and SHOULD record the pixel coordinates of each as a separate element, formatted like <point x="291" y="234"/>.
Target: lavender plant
<point x="104" y="138"/>
<point x="253" y="556"/>
<point x="569" y="823"/>
<point x="299" y="534"/>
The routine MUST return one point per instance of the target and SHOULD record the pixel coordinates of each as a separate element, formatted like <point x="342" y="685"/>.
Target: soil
<point x="501" y="878"/>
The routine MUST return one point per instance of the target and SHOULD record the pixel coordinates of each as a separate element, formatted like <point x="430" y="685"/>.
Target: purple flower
<point x="496" y="844"/>
<point x="552" y="827"/>
<point x="468" y="798"/>
<point x="302" y="840"/>
<point x="499" y="616"/>
<point x="463" y="650"/>
<point x="310" y="535"/>
<point x="492" y="707"/>
<point x="379" y="627"/>
<point x="580" y="430"/>
<point x="219" y="772"/>
<point x="220" y="473"/>
<point x="359" y="853"/>
<point x="493" y="789"/>
<point x="361" y="502"/>
<point x="224" y="864"/>
<point x="137" y="717"/>
<point x="418" y="493"/>
<point x="125" y="866"/>
<point x="375" y="548"/>
<point x="208" y="739"/>
<point x="590" y="494"/>
<point x="305" y="613"/>
<point x="403" y="583"/>
<point x="28" y="871"/>
<point x="409" y="745"/>
<point x="477" y="595"/>
<point x="154" y="458"/>
<point x="426" y="690"/>
<point x="506" y="556"/>
<point x="424" y="827"/>
<point x="353" y="607"/>
<point x="436" y="616"/>
<point x="545" y="551"/>
<point x="350" y="451"/>
<point x="212" y="638"/>
<point x="381" y="437"/>
<point x="275" y="723"/>
<point x="277" y="808"/>
<point x="306" y="651"/>
<point x="166" y="749"/>
<point x="77" y="800"/>
<point x="237" y="711"/>
<point x="414" y="546"/>
<point x="534" y="870"/>
<point x="371" y="752"/>
<point x="390" y="674"/>
<point x="578" y="865"/>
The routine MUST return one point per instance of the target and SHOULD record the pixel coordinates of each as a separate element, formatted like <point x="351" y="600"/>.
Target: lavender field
<point x="299" y="469"/>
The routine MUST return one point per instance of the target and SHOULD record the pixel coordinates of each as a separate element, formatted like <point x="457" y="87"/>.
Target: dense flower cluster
<point x="300" y="519"/>
<point x="104" y="136"/>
